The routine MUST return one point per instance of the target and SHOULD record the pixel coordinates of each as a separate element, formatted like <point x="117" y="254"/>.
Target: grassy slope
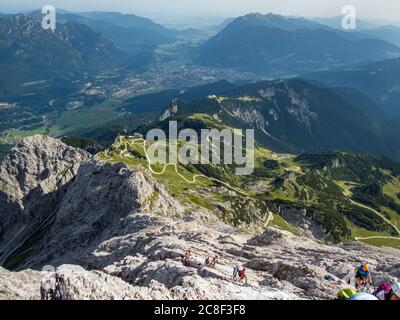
<point x="324" y="187"/>
<point x="200" y="194"/>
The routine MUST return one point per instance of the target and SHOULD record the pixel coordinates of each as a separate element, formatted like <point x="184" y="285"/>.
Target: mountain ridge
<point x="293" y="112"/>
<point x="68" y="53"/>
<point x="290" y="45"/>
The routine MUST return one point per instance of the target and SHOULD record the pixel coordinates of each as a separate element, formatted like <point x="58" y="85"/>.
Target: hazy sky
<point x="374" y="9"/>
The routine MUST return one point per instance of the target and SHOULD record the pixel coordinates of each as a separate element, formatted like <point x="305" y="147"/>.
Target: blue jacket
<point x="361" y="273"/>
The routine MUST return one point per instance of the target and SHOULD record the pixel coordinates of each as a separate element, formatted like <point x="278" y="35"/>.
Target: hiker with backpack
<point x="210" y="262"/>
<point x="213" y="261"/>
<point x="235" y="272"/>
<point x="242" y="275"/>
<point x="363" y="275"/>
<point x="186" y="258"/>
<point x="388" y="291"/>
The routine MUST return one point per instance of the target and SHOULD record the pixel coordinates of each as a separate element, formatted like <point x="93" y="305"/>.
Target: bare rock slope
<point x="33" y="179"/>
<point x="23" y="285"/>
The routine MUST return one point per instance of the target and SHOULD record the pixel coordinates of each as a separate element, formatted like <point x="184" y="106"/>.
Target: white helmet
<point x="396" y="289"/>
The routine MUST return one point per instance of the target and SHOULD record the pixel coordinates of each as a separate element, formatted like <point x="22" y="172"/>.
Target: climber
<point x="213" y="261"/>
<point x="388" y="291"/>
<point x="363" y="275"/>
<point x="186" y="258"/>
<point x="242" y="275"/>
<point x="235" y="272"/>
<point x="208" y="261"/>
<point x="183" y="260"/>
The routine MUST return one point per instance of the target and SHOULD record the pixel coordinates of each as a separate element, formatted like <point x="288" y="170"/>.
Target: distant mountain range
<point x="327" y="110"/>
<point x="279" y="45"/>
<point x="379" y="84"/>
<point x="387" y="33"/>
<point x="378" y="80"/>
<point x="29" y="54"/>
<point x="271" y="20"/>
<point x="366" y="29"/>
<point x="136" y="36"/>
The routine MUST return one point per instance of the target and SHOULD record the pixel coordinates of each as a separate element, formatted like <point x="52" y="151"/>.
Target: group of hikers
<point x="362" y="278"/>
<point x="359" y="278"/>
<point x="209" y="262"/>
<point x="239" y="274"/>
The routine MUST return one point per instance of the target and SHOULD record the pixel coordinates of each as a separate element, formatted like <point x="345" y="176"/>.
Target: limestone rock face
<point x="23" y="285"/>
<point x="71" y="282"/>
<point x="39" y="161"/>
<point x="273" y="236"/>
<point x="98" y="206"/>
<point x="33" y="178"/>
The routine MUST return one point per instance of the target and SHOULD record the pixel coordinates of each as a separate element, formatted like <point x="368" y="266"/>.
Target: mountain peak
<point x="272" y="20"/>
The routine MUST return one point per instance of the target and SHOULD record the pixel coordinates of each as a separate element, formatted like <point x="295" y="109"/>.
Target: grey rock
<point x="33" y="178"/>
<point x="23" y="285"/>
<point x="96" y="207"/>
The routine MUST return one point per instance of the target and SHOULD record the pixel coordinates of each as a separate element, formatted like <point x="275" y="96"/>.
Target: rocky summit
<point x="73" y="226"/>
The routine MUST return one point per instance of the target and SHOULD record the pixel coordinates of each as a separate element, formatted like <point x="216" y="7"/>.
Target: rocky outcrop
<point x="59" y="202"/>
<point x="33" y="178"/>
<point x="70" y="282"/>
<point x="39" y="161"/>
<point x="171" y="110"/>
<point x="23" y="285"/>
<point x="303" y="223"/>
<point x="98" y="206"/>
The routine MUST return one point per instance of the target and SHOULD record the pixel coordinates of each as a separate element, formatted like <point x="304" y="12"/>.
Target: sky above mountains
<point x="372" y="9"/>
